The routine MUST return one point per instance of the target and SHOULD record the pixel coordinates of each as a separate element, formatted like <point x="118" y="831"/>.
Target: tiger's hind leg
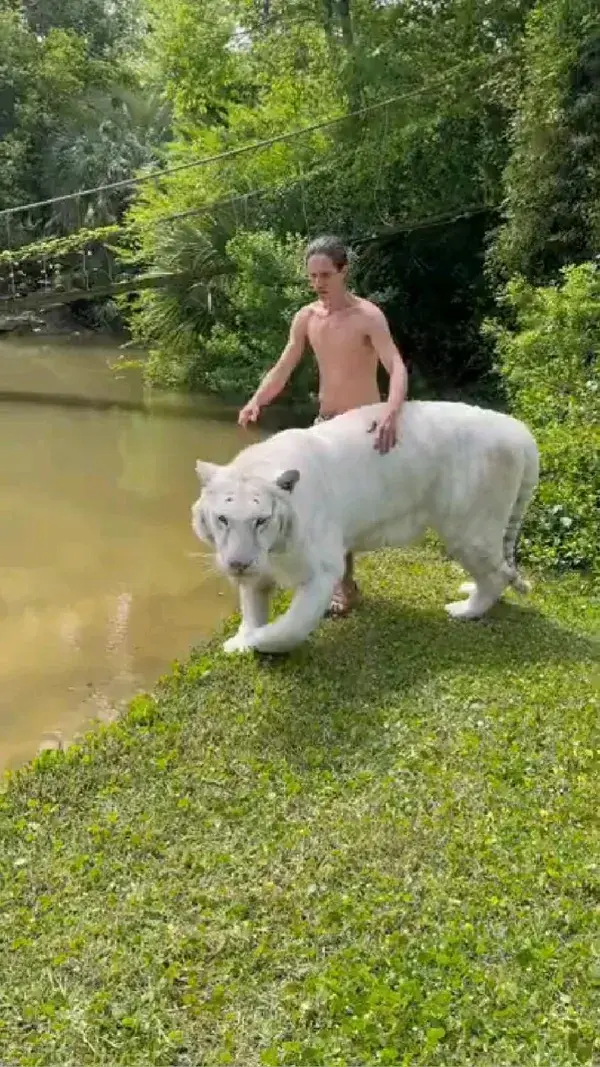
<point x="490" y="573"/>
<point x="476" y="536"/>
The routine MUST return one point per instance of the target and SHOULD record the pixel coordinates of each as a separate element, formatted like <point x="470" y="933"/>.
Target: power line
<point x="205" y="209"/>
<point x="149" y="280"/>
<point x="264" y="190"/>
<point x="255" y="146"/>
<point x="413" y="225"/>
<point x="407" y="227"/>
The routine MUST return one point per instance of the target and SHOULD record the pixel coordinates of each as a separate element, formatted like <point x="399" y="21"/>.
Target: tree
<point x="72" y="112"/>
<point x="109" y="27"/>
<point x="552" y="180"/>
<point x="236" y="74"/>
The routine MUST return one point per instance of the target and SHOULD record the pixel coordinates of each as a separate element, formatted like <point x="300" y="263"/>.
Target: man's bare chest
<point x="329" y="337"/>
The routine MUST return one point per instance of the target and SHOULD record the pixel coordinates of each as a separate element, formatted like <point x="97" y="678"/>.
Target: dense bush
<point x="431" y="286"/>
<point x="391" y="182"/>
<point x="552" y="180"/>
<point x="266" y="287"/>
<point x="550" y="361"/>
<point x="223" y="311"/>
<point x="227" y="321"/>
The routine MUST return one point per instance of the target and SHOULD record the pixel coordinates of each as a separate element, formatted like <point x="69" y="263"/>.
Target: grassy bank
<point x="381" y="850"/>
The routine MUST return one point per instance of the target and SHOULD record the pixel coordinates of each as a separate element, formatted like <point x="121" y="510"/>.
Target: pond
<point x="102" y="581"/>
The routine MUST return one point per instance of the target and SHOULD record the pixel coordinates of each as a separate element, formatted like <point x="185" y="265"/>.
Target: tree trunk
<point x="354" y="88"/>
<point x="328" y="17"/>
<point x="346" y="22"/>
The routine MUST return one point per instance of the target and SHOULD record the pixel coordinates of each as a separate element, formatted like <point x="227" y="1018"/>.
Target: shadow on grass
<point x="335" y="691"/>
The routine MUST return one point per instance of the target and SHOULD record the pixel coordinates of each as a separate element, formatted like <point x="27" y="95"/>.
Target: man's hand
<point x="385" y="430"/>
<point x="249" y="413"/>
<point x="276" y="378"/>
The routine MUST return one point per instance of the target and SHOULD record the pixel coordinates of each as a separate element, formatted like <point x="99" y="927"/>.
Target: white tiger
<point x="285" y="510"/>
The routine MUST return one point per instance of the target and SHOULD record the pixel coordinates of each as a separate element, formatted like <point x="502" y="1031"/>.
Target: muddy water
<point x="102" y="582"/>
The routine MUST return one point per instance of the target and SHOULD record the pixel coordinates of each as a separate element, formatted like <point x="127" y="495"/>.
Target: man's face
<point x="327" y="280"/>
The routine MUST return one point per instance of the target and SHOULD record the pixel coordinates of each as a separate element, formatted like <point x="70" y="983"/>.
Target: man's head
<point x="327" y="266"/>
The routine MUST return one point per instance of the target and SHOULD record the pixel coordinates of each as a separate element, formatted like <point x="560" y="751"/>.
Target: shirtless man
<point x="348" y="336"/>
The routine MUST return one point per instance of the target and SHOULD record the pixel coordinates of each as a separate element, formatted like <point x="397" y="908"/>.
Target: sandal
<point x="343" y="600"/>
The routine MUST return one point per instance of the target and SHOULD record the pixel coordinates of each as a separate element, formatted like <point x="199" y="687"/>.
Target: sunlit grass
<point x="382" y="849"/>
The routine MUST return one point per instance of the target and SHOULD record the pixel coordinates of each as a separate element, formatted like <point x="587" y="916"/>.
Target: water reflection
<point x="102" y="582"/>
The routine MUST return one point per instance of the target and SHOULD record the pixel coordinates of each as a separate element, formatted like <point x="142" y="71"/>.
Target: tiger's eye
<point x="223" y="520"/>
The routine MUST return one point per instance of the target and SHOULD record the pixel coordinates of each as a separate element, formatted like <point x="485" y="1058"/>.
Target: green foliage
<point x="111" y="134"/>
<point x="430" y="285"/>
<point x="265" y="288"/>
<point x="552" y="181"/>
<point x="16" y="69"/>
<point x="237" y="322"/>
<point x="72" y="112"/>
<point x="60" y="246"/>
<point x="172" y="322"/>
<point x="551" y="365"/>
<point x="188" y="54"/>
<point x="108" y="29"/>
<point x="442" y="147"/>
<point x="73" y="115"/>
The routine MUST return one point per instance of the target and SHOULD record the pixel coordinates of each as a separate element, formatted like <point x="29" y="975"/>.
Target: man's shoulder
<point x="369" y="310"/>
<point x="305" y="313"/>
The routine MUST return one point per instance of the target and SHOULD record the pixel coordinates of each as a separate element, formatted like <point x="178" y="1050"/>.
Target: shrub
<point x="224" y="316"/>
<point x="550" y="364"/>
<point x="266" y="287"/>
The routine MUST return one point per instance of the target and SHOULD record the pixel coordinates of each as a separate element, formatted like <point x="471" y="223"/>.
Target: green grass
<point x="380" y="850"/>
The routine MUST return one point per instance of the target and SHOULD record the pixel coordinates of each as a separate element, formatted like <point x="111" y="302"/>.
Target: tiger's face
<point x="244" y="519"/>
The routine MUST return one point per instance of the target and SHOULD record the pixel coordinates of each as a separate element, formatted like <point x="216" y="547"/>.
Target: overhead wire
<point x="159" y="173"/>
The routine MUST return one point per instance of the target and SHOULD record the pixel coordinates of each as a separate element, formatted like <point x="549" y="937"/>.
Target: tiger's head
<point x="243" y="518"/>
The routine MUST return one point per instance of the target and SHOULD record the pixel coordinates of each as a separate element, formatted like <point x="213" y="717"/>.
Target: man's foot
<point x="343" y="600"/>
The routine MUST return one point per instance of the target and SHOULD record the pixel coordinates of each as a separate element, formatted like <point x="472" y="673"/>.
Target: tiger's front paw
<point x="238" y="643"/>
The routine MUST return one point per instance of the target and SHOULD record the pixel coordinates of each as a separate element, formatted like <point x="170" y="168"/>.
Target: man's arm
<point x="277" y="377"/>
<point x="387" y="351"/>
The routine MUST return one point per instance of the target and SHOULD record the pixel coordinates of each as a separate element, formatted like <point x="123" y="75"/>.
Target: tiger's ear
<point x="287" y="480"/>
<point x="200" y="524"/>
<point x="206" y="471"/>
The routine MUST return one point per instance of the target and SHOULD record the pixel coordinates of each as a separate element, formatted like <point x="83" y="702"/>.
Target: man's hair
<point x="331" y="247"/>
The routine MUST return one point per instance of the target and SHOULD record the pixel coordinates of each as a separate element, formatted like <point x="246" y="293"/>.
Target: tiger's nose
<point x="238" y="566"/>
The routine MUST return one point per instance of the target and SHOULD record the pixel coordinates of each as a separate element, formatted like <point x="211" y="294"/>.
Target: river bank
<point x="102" y="581"/>
<point x="378" y="850"/>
